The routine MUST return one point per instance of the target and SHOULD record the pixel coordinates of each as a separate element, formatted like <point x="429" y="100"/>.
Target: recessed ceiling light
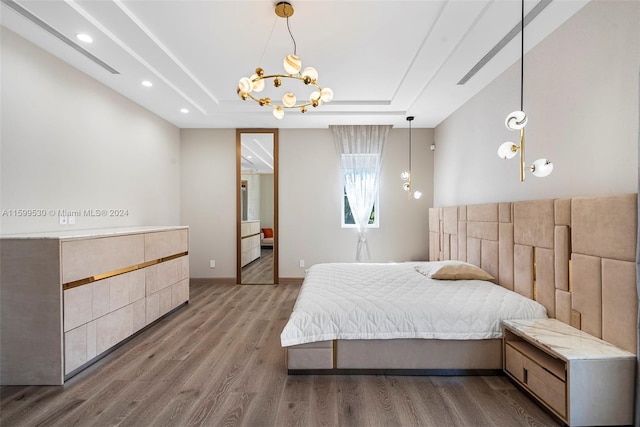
<point x="147" y="83"/>
<point x="86" y="38"/>
<point x="184" y="110"/>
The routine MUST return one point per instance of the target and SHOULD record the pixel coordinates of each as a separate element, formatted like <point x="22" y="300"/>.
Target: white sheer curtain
<point x="360" y="150"/>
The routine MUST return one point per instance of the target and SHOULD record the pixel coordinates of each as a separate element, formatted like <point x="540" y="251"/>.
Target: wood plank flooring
<point x="218" y="362"/>
<point x="260" y="271"/>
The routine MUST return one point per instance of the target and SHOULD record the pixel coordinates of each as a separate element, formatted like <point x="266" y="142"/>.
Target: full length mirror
<point x="257" y="206"/>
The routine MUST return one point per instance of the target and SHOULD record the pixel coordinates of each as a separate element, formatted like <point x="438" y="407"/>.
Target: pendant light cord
<point x="295" y="48"/>
<point x="521" y="58"/>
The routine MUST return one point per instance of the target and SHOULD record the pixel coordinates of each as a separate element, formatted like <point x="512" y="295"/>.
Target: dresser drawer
<point x="165" y="243"/>
<point x="86" y="258"/>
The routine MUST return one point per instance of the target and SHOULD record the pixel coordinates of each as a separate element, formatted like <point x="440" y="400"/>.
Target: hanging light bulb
<point x="507" y="150"/>
<point x="404" y="176"/>
<point x="289" y="99"/>
<point x="326" y="94"/>
<point x="516" y="120"/>
<point x="292" y="64"/>
<point x="311" y="73"/>
<point x="542" y="168"/>
<point x="258" y="83"/>
<point x="278" y="112"/>
<point x="245" y="85"/>
<point x="417" y="194"/>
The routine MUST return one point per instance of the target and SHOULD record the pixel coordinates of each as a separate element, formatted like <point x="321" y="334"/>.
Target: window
<point x="347" y="216"/>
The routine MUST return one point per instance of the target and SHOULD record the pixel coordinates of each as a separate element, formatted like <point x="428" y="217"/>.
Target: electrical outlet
<point x="71" y="219"/>
<point x="63" y="220"/>
<point x="212" y="263"/>
<point x="301" y="263"/>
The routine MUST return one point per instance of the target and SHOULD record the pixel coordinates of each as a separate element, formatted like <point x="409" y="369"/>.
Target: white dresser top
<point x="91" y="233"/>
<point x="565" y="341"/>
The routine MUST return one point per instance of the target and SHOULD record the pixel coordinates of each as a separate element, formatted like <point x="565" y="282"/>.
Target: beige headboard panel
<point x="574" y="256"/>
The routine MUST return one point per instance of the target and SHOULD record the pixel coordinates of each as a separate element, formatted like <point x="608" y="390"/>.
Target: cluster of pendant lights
<point x="406" y="175"/>
<point x="249" y="86"/>
<point x="517" y="120"/>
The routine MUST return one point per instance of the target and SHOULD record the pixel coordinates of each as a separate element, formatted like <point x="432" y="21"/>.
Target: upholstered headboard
<point x="574" y="256"/>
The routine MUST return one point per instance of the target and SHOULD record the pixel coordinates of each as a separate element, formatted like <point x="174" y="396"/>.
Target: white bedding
<point x="388" y="301"/>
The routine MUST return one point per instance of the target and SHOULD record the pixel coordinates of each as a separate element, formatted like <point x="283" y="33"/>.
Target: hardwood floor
<point x="260" y="271"/>
<point x="218" y="362"/>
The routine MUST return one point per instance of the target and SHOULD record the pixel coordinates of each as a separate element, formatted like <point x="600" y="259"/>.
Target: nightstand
<point x="580" y="378"/>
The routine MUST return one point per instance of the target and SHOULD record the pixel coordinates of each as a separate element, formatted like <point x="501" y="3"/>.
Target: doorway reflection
<point x="257" y="206"/>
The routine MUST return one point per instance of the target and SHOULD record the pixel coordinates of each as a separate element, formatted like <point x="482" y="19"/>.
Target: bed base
<point x="396" y="357"/>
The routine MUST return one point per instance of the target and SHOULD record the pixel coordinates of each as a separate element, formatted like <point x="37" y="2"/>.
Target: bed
<point x="576" y="257"/>
<point x="396" y="317"/>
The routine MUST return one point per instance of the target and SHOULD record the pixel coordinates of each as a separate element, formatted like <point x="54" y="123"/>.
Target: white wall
<point x="581" y="96"/>
<point x="208" y="199"/>
<point x="309" y="200"/>
<point x="70" y="143"/>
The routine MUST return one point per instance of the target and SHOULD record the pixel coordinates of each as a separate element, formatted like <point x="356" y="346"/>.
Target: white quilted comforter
<point x="387" y="301"/>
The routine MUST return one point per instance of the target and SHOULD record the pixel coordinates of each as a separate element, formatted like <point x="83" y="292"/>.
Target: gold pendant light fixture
<point x="517" y="120"/>
<point x="406" y="176"/>
<point x="248" y="87"/>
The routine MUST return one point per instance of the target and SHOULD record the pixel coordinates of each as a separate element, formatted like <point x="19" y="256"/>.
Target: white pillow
<point x="453" y="270"/>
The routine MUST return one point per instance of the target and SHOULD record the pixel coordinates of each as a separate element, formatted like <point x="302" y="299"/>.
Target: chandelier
<point x="517" y="120"/>
<point x="406" y="176"/>
<point x="249" y="87"/>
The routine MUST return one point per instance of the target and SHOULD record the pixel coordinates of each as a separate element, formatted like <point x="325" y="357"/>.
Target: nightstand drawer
<point x="546" y="386"/>
<point x="514" y="363"/>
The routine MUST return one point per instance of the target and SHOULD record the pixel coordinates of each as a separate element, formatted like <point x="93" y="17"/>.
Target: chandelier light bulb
<point x="507" y="150"/>
<point x="257" y="83"/>
<point x="516" y="120"/>
<point x="542" y="168"/>
<point x="417" y="194"/>
<point x="326" y="95"/>
<point x="406" y="186"/>
<point x="310" y="72"/>
<point x="278" y="112"/>
<point x="404" y="176"/>
<point x="289" y="100"/>
<point x="292" y="64"/>
<point x="245" y="85"/>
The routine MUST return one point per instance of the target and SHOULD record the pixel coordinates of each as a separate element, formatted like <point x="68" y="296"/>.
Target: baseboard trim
<point x="290" y="280"/>
<point x="213" y="281"/>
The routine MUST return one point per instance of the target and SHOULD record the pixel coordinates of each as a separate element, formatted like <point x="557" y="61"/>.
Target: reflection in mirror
<point x="257" y="206"/>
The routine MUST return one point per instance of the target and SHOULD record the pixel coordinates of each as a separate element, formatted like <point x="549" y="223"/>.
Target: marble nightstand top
<point x="565" y="341"/>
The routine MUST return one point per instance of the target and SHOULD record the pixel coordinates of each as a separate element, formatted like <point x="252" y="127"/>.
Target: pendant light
<point x="517" y="120"/>
<point x="406" y="175"/>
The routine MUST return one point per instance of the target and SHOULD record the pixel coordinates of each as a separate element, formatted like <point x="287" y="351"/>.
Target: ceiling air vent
<point x="48" y="28"/>
<point x="506" y="39"/>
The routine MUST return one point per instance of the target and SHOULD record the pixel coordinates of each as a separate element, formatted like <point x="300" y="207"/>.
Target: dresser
<point x="250" y="241"/>
<point x="580" y="378"/>
<point x="68" y="298"/>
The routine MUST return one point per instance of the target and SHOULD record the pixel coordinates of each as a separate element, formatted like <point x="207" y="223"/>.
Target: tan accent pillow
<point x="453" y="270"/>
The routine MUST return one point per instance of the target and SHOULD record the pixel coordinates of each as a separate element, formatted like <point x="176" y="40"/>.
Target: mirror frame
<point x="239" y="133"/>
